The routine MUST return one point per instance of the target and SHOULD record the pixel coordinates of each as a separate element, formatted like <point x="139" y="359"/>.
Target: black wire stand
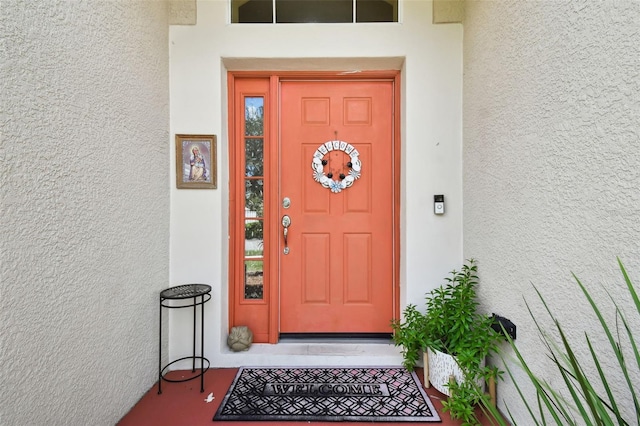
<point x="185" y="296"/>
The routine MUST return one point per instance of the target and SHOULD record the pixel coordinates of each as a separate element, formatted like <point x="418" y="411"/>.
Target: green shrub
<point x="253" y="230"/>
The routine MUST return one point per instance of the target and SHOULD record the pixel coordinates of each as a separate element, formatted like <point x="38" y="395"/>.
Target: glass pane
<point x="376" y="10"/>
<point x="252" y="11"/>
<point x="299" y="11"/>
<point x="254" y="158"/>
<point x="253" y="238"/>
<point x="253" y="116"/>
<point x="253" y="279"/>
<point x="254" y="201"/>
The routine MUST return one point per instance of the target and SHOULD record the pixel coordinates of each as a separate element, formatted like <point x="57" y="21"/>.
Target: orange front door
<point x="338" y="273"/>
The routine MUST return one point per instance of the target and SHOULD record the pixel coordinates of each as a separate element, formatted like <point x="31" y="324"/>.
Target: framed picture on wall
<point x="196" y="166"/>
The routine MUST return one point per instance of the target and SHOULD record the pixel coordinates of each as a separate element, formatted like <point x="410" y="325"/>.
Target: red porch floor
<point x="182" y="404"/>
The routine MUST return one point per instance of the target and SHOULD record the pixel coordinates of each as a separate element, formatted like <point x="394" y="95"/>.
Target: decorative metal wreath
<point x="344" y="180"/>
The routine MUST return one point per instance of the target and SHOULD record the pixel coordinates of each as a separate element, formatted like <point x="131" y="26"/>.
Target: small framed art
<point x="196" y="166"/>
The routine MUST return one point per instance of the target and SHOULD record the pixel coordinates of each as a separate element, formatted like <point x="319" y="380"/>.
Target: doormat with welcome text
<point x="354" y="394"/>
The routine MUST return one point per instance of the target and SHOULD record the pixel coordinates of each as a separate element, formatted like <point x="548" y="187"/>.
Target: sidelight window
<point x="253" y="198"/>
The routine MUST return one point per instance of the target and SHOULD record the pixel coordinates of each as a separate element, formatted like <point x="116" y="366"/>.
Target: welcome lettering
<point x="326" y="389"/>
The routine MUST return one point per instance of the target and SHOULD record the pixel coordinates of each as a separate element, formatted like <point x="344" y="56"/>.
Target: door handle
<point x="286" y="222"/>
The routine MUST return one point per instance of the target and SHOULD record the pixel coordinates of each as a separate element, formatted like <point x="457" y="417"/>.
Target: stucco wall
<point x="85" y="207"/>
<point x="431" y="142"/>
<point x="551" y="160"/>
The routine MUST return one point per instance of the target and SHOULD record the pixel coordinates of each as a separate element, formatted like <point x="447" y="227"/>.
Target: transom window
<point x="313" y="11"/>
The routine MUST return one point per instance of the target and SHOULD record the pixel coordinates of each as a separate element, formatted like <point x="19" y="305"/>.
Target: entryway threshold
<point x="313" y="353"/>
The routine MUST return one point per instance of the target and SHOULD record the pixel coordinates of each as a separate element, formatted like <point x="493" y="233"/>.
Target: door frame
<point x="268" y="309"/>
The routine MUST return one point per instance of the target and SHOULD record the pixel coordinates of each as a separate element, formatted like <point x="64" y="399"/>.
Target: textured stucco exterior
<point x="182" y="12"/>
<point x="448" y="11"/>
<point x="551" y="161"/>
<point x="85" y="207"/>
<point x="550" y="170"/>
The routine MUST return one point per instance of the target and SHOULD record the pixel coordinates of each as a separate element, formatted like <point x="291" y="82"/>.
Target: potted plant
<point x="451" y="328"/>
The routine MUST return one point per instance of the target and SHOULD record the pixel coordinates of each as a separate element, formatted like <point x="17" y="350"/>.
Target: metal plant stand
<point x="185" y="296"/>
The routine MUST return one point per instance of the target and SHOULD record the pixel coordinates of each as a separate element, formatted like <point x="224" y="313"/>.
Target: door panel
<point x="338" y="275"/>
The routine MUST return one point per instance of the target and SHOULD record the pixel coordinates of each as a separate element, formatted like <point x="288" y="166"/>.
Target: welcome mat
<point x="355" y="394"/>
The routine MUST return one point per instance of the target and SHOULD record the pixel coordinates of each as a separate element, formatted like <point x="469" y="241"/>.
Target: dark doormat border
<point x="340" y="393"/>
